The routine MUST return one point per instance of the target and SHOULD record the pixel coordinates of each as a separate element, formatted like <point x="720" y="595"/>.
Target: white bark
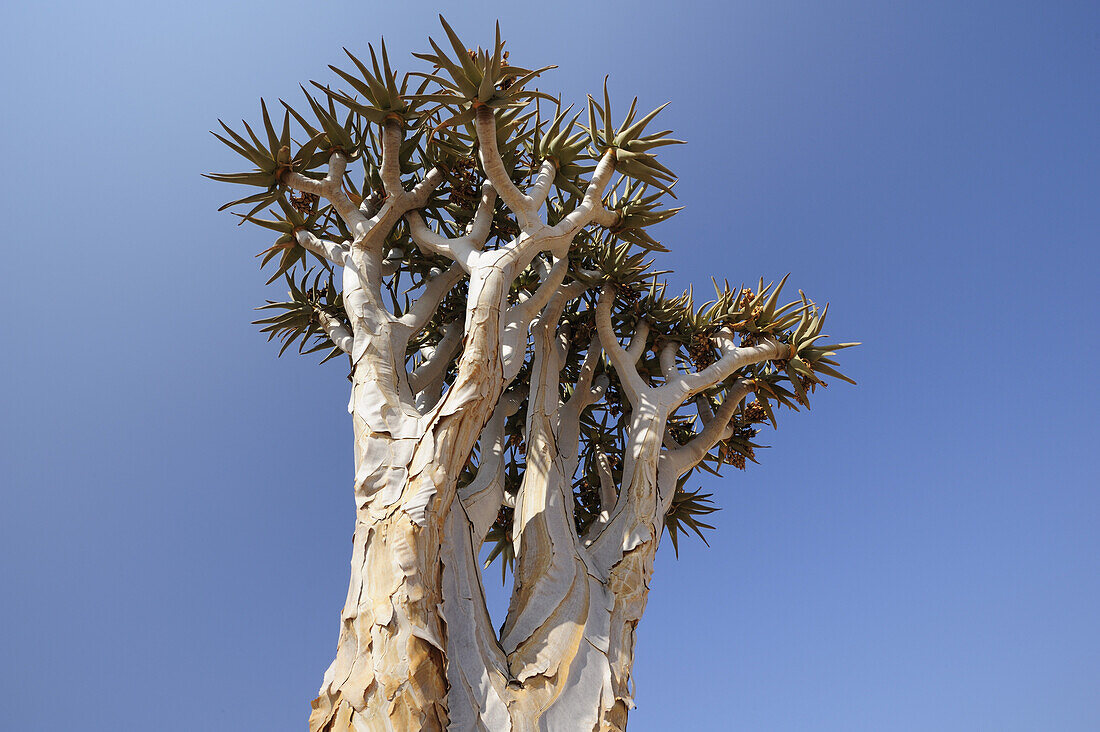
<point x="332" y="251"/>
<point x="337" y="332"/>
<point x="417" y="649"/>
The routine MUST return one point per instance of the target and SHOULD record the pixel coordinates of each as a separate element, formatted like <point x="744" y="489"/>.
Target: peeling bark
<point x="451" y="336"/>
<point x="417" y="650"/>
<point x="388" y="673"/>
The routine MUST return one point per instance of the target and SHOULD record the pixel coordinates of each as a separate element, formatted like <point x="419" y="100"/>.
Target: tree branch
<point x="390" y="172"/>
<point x="331" y="187"/>
<point x="543" y="182"/>
<point x="331" y="251"/>
<point x="526" y="310"/>
<point x="717" y="427"/>
<point x="668" y="361"/>
<point x="587" y="371"/>
<point x="553" y="583"/>
<point x="458" y="250"/>
<point x="498" y="175"/>
<point x="423" y="190"/>
<point x="434" y="291"/>
<point x="483" y="497"/>
<point x="435" y="364"/>
<point x="591" y="208"/>
<point x="637" y="344"/>
<point x="477" y="232"/>
<point x="731" y="361"/>
<point x="608" y="493"/>
<point x="556" y="239"/>
<point x="337" y="331"/>
<point x="624" y="366"/>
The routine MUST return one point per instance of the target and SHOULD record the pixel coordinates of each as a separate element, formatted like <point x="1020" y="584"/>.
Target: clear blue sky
<point x="918" y="553"/>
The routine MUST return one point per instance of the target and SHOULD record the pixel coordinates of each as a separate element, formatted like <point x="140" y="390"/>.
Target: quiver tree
<point x="522" y="385"/>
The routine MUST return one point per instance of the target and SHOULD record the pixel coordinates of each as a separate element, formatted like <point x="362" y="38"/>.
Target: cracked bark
<point x="416" y="648"/>
<point x="454" y="321"/>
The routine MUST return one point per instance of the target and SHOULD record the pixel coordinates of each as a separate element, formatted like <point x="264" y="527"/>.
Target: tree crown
<point x="551" y="150"/>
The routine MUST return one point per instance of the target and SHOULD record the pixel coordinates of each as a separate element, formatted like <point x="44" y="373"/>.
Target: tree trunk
<point x="486" y="695"/>
<point x="390" y="666"/>
<point x="389" y="670"/>
<point x="417" y="649"/>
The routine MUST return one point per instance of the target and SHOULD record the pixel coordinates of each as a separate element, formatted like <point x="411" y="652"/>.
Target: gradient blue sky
<point x="918" y="553"/>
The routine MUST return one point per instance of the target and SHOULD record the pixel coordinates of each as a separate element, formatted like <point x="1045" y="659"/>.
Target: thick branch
<point x="423" y="190"/>
<point x="555" y="593"/>
<point x="331" y="187"/>
<point x="460" y="249"/>
<point x="477" y="232"/>
<point x="591" y="208"/>
<point x="668" y="361"/>
<point x="392" y="134"/>
<point x="434" y="291"/>
<point x="731" y="361"/>
<point x="608" y="493"/>
<point x="525" y="311"/>
<point x="522" y="206"/>
<point x="545" y="180"/>
<point x="638" y="342"/>
<point x="716" y="428"/>
<point x="484" y="495"/>
<point x="332" y="251"/>
<point x="457" y="249"/>
<point x="620" y="359"/>
<point x="337" y="331"/>
<point x="435" y="364"/>
<point x="585" y="394"/>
